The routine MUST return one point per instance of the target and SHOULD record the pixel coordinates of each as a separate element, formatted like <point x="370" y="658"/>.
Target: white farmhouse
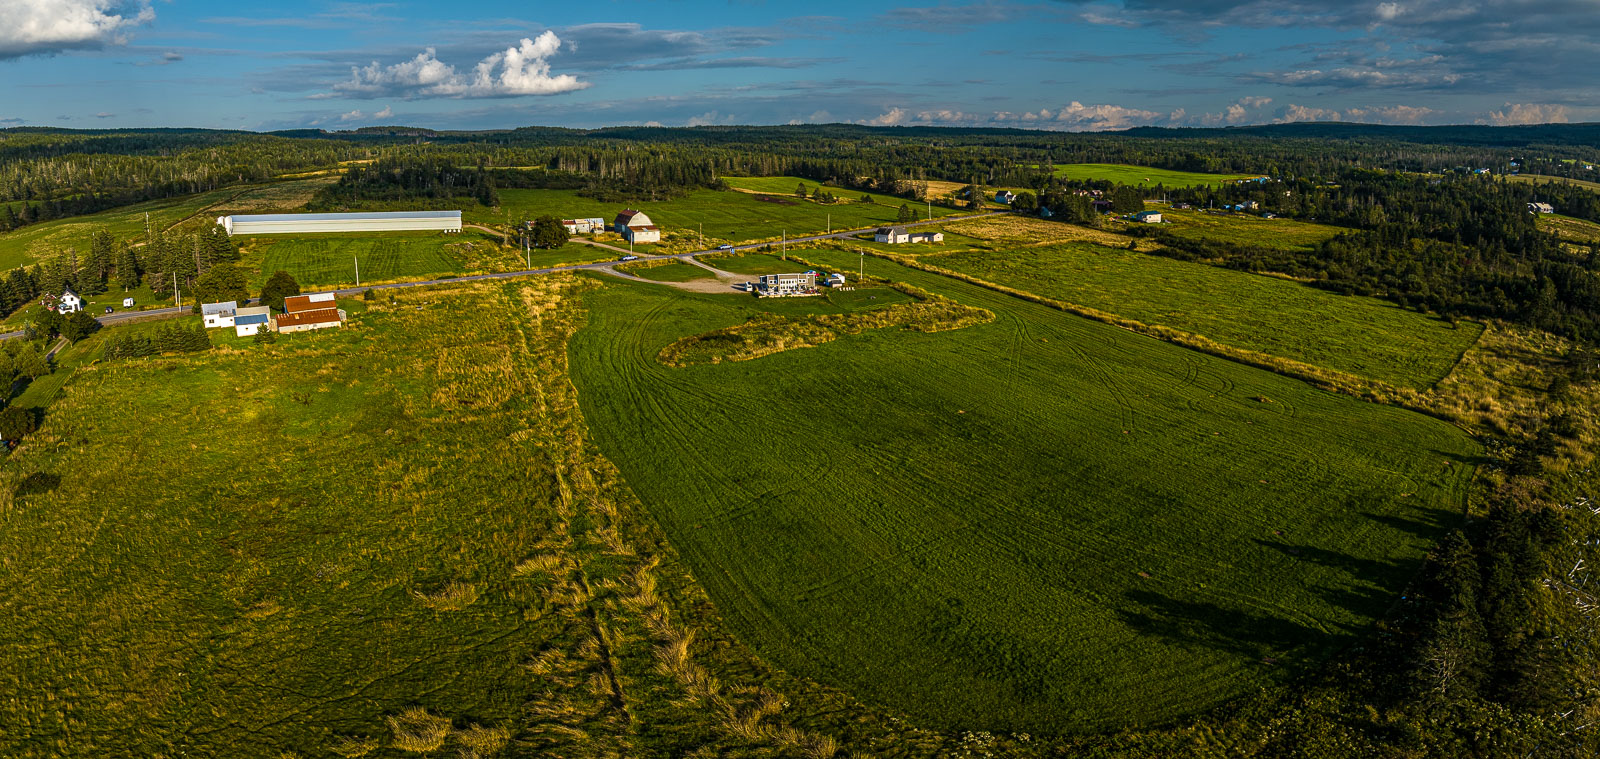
<point x="219" y="314"/>
<point x="70" y="302"/>
<point x="891" y="235"/>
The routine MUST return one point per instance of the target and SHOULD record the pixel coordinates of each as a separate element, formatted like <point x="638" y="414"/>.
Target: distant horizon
<point x="950" y="127"/>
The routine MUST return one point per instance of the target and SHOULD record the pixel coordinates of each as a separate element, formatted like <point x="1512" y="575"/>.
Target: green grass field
<point x="673" y="272"/>
<point x="1040" y="524"/>
<point x="725" y="216"/>
<point x="785" y="187"/>
<point x="1282" y="234"/>
<point x="1542" y="178"/>
<point x="32" y="243"/>
<point x="191" y="570"/>
<point x="1362" y="336"/>
<point x="1137" y="175"/>
<point x="1568" y="228"/>
<point x="752" y="264"/>
<point x="331" y="259"/>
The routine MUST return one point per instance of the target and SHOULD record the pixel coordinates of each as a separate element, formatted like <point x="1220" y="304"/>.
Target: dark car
<point x="108" y="309"/>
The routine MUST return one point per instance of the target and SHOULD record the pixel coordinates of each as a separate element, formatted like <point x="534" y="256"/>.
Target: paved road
<point x="174" y="311"/>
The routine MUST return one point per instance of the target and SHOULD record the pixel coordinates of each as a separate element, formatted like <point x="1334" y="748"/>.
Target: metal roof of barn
<point x="347" y="216"/>
<point x="250" y="319"/>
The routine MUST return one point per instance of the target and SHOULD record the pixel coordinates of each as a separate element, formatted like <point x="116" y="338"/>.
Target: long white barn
<point x="378" y="221"/>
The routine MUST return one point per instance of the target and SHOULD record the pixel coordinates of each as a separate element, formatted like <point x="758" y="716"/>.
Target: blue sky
<point x="1073" y="65"/>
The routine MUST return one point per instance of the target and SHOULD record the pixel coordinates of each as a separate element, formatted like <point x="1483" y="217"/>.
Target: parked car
<point x="630" y="258"/>
<point x="108" y="309"/>
<point x="724" y="247"/>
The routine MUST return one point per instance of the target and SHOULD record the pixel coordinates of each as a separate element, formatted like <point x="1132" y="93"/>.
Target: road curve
<point x="175" y="311"/>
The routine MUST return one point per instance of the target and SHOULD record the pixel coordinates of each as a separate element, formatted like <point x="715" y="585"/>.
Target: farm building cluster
<point x="797" y="284"/>
<point x="899" y="236"/>
<point x="310" y="223"/>
<point x="300" y="313"/>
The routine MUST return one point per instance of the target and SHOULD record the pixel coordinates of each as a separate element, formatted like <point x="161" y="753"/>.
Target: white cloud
<point x="890" y="118"/>
<point x="51" y="26"/>
<point x="383" y="114"/>
<point x="104" y="115"/>
<point x="351" y="116"/>
<point x="1396" y="114"/>
<point x="1077" y="117"/>
<point x="515" y="71"/>
<point x="1529" y="113"/>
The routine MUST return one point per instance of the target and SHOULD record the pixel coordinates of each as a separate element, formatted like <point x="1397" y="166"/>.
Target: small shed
<point x="219" y="314"/>
<point x="1148" y="217"/>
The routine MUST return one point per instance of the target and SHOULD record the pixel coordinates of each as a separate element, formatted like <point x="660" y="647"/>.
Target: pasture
<point x="223" y="586"/>
<point x="1143" y="175"/>
<point x="1362" y="336"/>
<point x="726" y="216"/>
<point x="1040" y="524"/>
<point x="751" y="263"/>
<point x="786" y="186"/>
<point x="1244" y="229"/>
<point x="331" y="259"/>
<point x="35" y="242"/>
<point x="676" y="271"/>
<point x="1570" y="229"/>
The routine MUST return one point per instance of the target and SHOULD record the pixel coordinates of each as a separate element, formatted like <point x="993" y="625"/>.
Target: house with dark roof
<point x="891" y="235"/>
<point x="70" y="302"/>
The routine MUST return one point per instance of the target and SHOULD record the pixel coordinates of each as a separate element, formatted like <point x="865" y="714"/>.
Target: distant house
<point x="1045" y="213"/>
<point x="636" y="227"/>
<point x="219" y="314"/>
<point x="1249" y="205"/>
<point x="252" y="319"/>
<point x="1103" y="206"/>
<point x="1480" y="171"/>
<point x="1180" y="206"/>
<point x="927" y="237"/>
<point x="1005" y="196"/>
<point x="1148" y="217"/>
<point x="891" y="235"/>
<point x="70" y="302"/>
<point x="1541" y="208"/>
<point x="784" y="285"/>
<point x="581" y="226"/>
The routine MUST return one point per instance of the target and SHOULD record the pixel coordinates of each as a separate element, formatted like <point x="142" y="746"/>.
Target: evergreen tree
<point x="224" y="282"/>
<point x="78" y="325"/>
<point x="548" y="233"/>
<point x="127" y="267"/>
<point x="905" y="214"/>
<point x="16" y="423"/>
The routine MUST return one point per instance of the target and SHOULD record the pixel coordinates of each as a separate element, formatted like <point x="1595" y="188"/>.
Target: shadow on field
<point x="1239" y="632"/>
<point x="1431" y="527"/>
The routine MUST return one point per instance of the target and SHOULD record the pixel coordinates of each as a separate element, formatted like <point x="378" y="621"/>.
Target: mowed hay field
<point x="330" y="259"/>
<point x="1137" y="175"/>
<point x="33" y="243"/>
<point x="1242" y="229"/>
<point x="1039" y="524"/>
<point x="1568" y="228"/>
<point x="388" y="539"/>
<point x="1362" y="336"/>
<point x="726" y="216"/>
<point x="786" y="186"/>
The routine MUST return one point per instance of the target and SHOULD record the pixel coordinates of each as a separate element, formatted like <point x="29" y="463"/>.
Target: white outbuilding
<point x="309" y="223"/>
<point x="70" y="302"/>
<point x="219" y="314"/>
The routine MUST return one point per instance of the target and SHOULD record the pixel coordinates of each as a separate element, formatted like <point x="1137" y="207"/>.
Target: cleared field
<point x="752" y="263"/>
<point x="1281" y="234"/>
<point x="1362" y="336"/>
<point x="1137" y="175"/>
<point x="1541" y="178"/>
<point x="1039" y="524"/>
<point x="673" y="272"/>
<point x="1568" y="228"/>
<point x="34" y="242"/>
<point x="726" y="216"/>
<point x="331" y="259"/>
<point x="785" y="187"/>
<point x="226" y="588"/>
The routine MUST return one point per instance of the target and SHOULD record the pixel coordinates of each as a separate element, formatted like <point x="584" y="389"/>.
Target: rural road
<point x="174" y="311"/>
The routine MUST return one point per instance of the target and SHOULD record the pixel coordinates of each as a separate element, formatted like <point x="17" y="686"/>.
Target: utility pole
<point x="830" y="223"/>
<point x="177" y="296"/>
<point x="930" y="209"/>
<point x="862" y="271"/>
<point x="785" y="244"/>
<point x="702" y="235"/>
<point x="358" y="270"/>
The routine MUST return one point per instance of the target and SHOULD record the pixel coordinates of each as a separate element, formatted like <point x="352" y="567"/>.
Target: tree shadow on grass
<point x="1238" y="632"/>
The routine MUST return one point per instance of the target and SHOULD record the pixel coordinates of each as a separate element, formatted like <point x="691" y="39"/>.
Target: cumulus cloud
<point x="1237" y="112"/>
<point x="105" y="115"/>
<point x="1397" y="114"/>
<point x="892" y="117"/>
<point x="1528" y="113"/>
<point x="33" y="27"/>
<point x="523" y="69"/>
<point x="383" y="114"/>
